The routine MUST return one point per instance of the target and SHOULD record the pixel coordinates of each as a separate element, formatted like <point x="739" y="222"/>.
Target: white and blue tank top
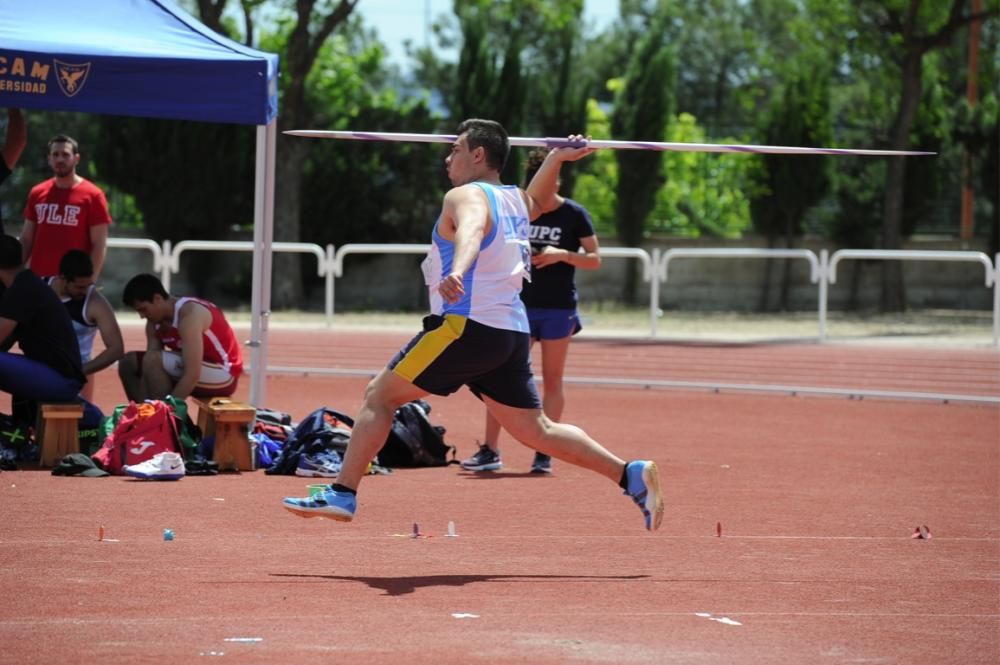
<point x="493" y="282"/>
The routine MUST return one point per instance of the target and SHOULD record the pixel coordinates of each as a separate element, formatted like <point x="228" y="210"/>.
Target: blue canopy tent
<point x="149" y="58"/>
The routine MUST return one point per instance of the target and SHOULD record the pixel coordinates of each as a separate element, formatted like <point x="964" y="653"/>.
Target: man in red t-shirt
<point x="190" y="347"/>
<point x="65" y="212"/>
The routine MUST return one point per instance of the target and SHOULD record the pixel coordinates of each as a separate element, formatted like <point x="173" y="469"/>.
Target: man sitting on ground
<point x="90" y="313"/>
<point x="190" y="347"/>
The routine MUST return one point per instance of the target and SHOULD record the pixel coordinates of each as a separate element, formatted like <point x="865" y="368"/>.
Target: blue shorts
<point x="453" y="351"/>
<point x="548" y="323"/>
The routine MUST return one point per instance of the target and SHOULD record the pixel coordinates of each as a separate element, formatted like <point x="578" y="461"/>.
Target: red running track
<point x="817" y="498"/>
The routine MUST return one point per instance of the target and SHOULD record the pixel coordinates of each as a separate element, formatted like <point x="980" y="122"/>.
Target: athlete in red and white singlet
<point x="220" y="346"/>
<point x="190" y="347"/>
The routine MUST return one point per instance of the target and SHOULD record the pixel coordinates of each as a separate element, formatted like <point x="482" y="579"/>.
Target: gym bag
<point x="143" y="430"/>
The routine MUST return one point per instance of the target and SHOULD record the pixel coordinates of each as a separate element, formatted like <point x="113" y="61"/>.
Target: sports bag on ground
<point x="143" y="430"/>
<point x="414" y="441"/>
<point x="323" y="429"/>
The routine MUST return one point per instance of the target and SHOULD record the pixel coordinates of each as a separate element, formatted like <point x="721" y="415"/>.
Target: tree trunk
<point x="631" y="235"/>
<point x="302" y="50"/>
<point x="893" y="294"/>
<point x="853" y="296"/>
<point x="765" y="288"/>
<point x="784" y="303"/>
<point x="286" y="289"/>
<point x="286" y="283"/>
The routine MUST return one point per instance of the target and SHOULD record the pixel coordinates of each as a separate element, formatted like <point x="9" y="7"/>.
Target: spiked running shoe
<point x="541" y="464"/>
<point x="484" y="460"/>
<point x="329" y="503"/>
<point x="643" y="479"/>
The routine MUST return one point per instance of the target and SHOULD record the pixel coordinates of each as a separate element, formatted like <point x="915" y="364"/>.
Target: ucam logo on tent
<point x="30" y="76"/>
<point x="19" y="74"/>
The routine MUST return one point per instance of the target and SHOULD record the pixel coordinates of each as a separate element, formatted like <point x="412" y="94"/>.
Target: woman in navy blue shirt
<point x="551" y="300"/>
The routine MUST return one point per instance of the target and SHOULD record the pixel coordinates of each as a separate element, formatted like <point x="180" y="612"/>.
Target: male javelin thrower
<point x="477" y="334"/>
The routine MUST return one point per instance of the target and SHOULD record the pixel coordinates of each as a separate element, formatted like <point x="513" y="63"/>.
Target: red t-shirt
<point x="63" y="219"/>
<point x="219" y="343"/>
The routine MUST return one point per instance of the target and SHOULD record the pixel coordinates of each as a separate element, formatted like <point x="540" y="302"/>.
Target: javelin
<point x="612" y="145"/>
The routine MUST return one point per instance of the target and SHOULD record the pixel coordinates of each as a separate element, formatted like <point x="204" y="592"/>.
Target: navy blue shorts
<point x="548" y="323"/>
<point x="35" y="381"/>
<point x="453" y="351"/>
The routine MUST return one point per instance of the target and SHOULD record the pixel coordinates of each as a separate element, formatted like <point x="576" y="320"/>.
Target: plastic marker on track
<point x="724" y="620"/>
<point x="416" y="531"/>
<point x="451" y="530"/>
<point x="922" y="533"/>
<point x="718" y="529"/>
<point x="101" y="536"/>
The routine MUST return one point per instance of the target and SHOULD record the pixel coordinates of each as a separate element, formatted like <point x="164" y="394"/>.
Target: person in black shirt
<point x="550" y="297"/>
<point x="32" y="315"/>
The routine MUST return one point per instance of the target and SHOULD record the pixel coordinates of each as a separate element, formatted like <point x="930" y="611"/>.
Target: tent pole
<point x="263" y="234"/>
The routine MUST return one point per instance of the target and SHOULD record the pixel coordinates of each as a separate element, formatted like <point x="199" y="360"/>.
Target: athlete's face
<point x="155" y="310"/>
<point x="461" y="162"/>
<point x="77" y="288"/>
<point x="62" y="159"/>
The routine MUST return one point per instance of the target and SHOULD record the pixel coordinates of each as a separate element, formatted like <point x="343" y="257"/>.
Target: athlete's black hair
<point x="489" y="135"/>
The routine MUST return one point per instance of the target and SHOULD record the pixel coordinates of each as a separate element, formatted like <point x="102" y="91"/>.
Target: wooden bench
<point x="230" y="422"/>
<point x="58" y="432"/>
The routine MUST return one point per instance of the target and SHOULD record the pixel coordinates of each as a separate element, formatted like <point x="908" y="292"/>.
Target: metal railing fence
<point x="655" y="266"/>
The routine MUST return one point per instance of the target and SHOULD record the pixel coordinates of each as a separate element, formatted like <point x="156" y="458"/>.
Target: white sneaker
<point x="163" y="466"/>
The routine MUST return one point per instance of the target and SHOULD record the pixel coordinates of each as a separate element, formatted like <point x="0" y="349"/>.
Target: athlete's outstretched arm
<point x="542" y="189"/>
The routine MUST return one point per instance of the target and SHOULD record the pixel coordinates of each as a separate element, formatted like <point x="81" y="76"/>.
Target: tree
<point x="721" y="47"/>
<point x="490" y="72"/>
<point x="911" y="29"/>
<point x="979" y="131"/>
<point x="787" y="186"/>
<point x="189" y="179"/>
<point x="643" y="105"/>
<point x="375" y="192"/>
<point x="560" y="79"/>
<point x="314" y="21"/>
<point x="214" y="163"/>
<point x="704" y="193"/>
<point x="519" y="63"/>
<point x="595" y="186"/>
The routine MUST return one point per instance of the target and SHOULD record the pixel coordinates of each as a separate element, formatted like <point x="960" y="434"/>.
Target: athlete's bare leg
<point x="565" y="442"/>
<point x="385" y="393"/>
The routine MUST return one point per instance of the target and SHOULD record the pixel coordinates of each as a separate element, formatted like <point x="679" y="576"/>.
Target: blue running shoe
<point x="541" y="464"/>
<point x="321" y="465"/>
<point x="330" y="503"/>
<point x="643" y="479"/>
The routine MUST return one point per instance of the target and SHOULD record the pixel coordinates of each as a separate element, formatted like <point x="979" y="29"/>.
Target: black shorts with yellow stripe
<point x="454" y="351"/>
